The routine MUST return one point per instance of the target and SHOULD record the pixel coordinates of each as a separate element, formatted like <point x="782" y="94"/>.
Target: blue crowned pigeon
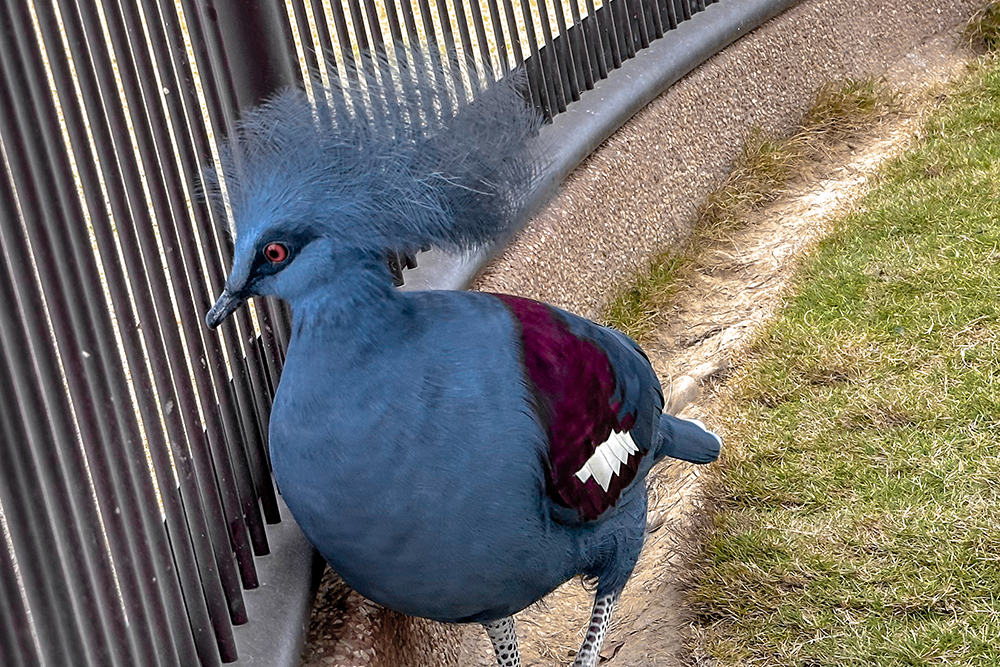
<point x="452" y="455"/>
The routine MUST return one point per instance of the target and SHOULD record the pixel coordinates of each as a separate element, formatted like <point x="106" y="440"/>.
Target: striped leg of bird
<point x="590" y="652"/>
<point x="504" y="640"/>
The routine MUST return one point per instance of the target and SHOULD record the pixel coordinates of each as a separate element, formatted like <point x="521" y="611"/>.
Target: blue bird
<point x="452" y="455"/>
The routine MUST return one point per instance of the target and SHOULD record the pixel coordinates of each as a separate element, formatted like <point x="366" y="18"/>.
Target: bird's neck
<point x="360" y="306"/>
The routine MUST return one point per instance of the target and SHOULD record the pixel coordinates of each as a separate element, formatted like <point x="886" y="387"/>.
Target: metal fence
<point x="135" y="489"/>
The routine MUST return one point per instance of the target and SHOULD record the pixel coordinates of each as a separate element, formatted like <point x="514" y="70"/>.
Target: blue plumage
<point x="453" y="455"/>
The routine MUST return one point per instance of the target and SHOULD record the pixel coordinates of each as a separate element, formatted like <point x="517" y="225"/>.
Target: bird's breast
<point x="418" y="469"/>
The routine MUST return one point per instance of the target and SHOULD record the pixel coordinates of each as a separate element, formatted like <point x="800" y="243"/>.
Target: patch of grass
<point x="858" y="505"/>
<point x="846" y="109"/>
<point x="983" y="30"/>
<point x="842" y="110"/>
<point x="760" y="174"/>
<point x="634" y="310"/>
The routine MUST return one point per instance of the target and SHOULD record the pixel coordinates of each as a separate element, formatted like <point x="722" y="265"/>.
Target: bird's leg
<point x="504" y="640"/>
<point x="589" y="653"/>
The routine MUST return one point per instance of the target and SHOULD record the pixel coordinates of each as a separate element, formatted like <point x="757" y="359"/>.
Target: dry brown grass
<point x="843" y="110"/>
<point x="983" y="30"/>
<point x="764" y="170"/>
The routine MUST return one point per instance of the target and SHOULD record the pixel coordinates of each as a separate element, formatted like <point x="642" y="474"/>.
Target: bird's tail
<point x="688" y="440"/>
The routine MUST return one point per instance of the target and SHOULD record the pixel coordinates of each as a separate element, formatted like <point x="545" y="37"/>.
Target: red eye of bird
<point x="276" y="253"/>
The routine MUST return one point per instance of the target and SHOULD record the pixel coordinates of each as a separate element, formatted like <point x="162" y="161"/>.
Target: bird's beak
<point x="223" y="308"/>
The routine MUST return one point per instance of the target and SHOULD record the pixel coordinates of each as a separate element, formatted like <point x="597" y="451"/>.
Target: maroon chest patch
<point x="573" y="385"/>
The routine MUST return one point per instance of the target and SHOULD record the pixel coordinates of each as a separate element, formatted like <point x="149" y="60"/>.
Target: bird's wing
<point x="597" y="398"/>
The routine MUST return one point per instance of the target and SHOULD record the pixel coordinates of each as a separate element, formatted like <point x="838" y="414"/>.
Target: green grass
<point x="760" y="173"/>
<point x="858" y="516"/>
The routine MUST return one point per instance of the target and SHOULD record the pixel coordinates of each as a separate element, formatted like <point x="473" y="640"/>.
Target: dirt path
<point x="736" y="287"/>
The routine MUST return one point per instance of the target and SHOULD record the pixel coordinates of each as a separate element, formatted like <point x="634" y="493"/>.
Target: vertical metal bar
<point x="475" y="78"/>
<point x="609" y="26"/>
<point x="16" y="647"/>
<point x="435" y="63"/>
<point x="360" y="37"/>
<point x="583" y="49"/>
<point x="515" y="42"/>
<point x="652" y="7"/>
<point x="329" y="58"/>
<point x="405" y="59"/>
<point x="638" y="14"/>
<point x="357" y="19"/>
<point x="305" y="37"/>
<point x="552" y="64"/>
<point x="97" y="82"/>
<point x="536" y="69"/>
<point x="512" y="32"/>
<point x="375" y="28"/>
<point x="484" y="46"/>
<point x="671" y="9"/>
<point x="409" y="21"/>
<point x="374" y="104"/>
<point x="152" y="522"/>
<point x="272" y="343"/>
<point x="395" y="28"/>
<point x="413" y="66"/>
<point x="37" y="161"/>
<point x="390" y="100"/>
<point x="36" y="526"/>
<point x="498" y="35"/>
<point x="190" y="294"/>
<point x="25" y="492"/>
<point x="571" y="86"/>
<point x="596" y="42"/>
<point x="244" y="515"/>
<point x="246" y="364"/>
<point x="311" y="57"/>
<point x="351" y="67"/>
<point x="252" y="31"/>
<point x="685" y="9"/>
<point x="451" y="51"/>
<point x="224" y="103"/>
<point x="344" y="39"/>
<point x="48" y="455"/>
<point x="173" y="381"/>
<point x="257" y="31"/>
<point x="624" y="24"/>
<point x="68" y="308"/>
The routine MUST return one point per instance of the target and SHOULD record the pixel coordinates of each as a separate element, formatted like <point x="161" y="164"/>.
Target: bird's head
<point x="318" y="197"/>
<point x="300" y="205"/>
<point x="284" y="261"/>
